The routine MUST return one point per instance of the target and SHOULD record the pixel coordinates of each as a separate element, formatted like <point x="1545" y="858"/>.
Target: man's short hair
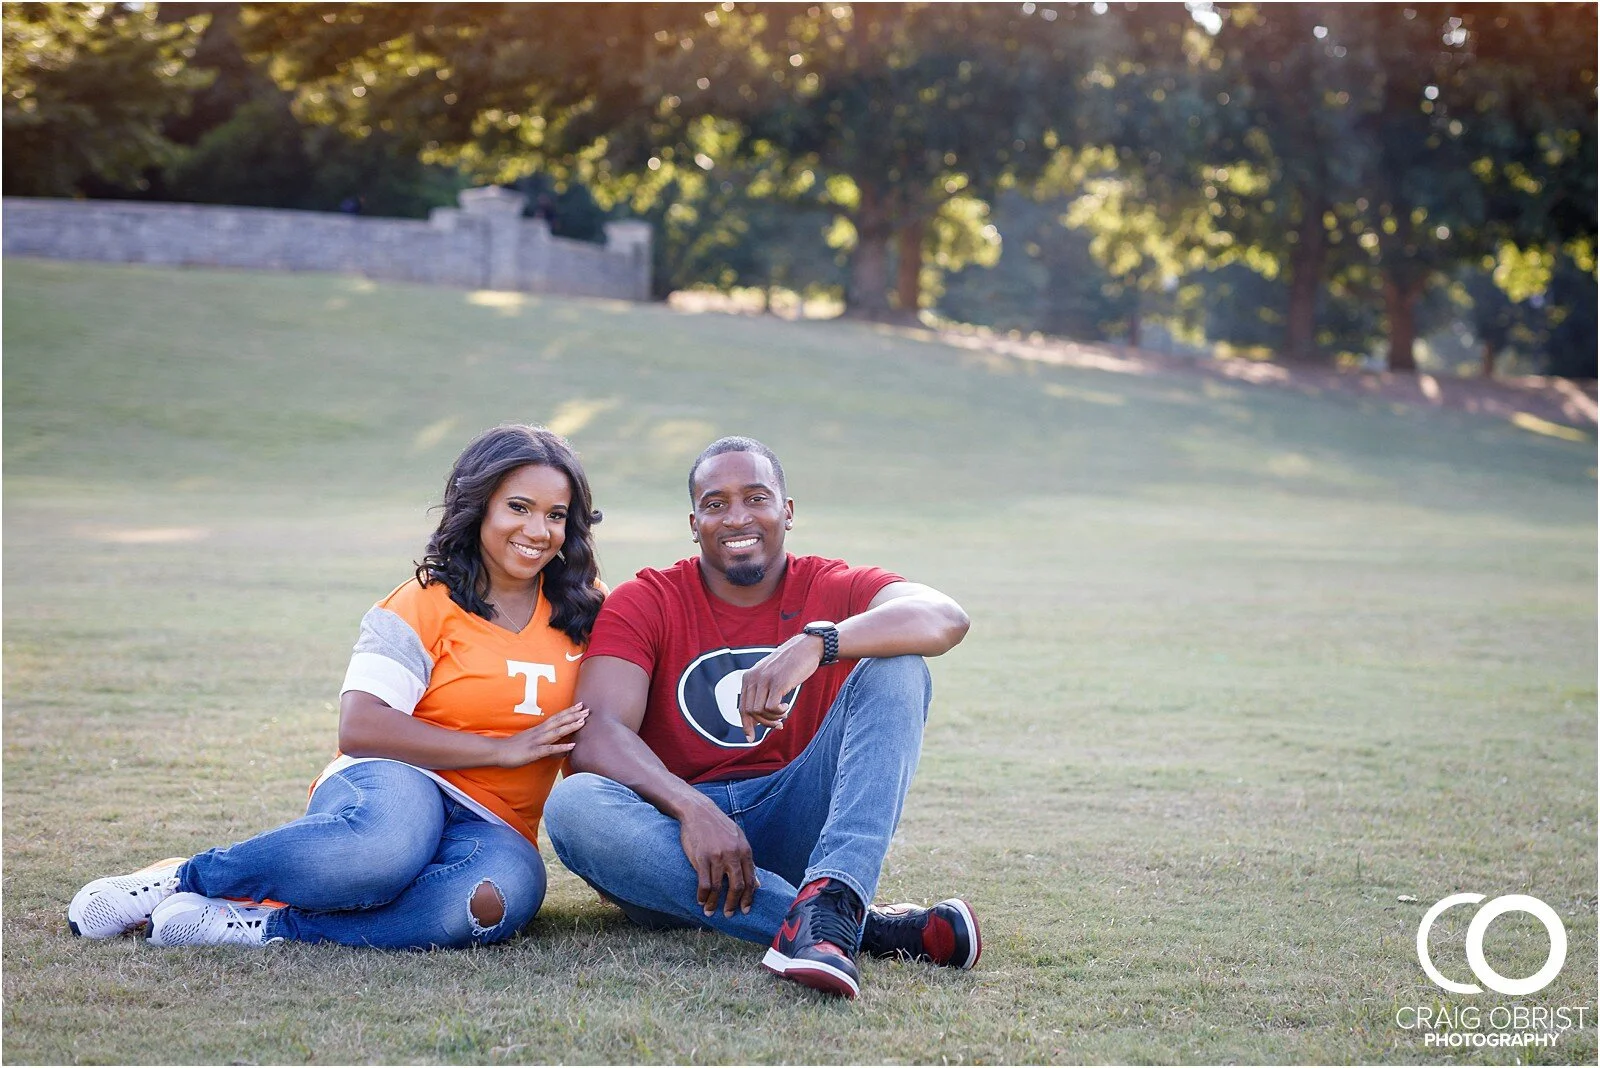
<point x="738" y="444"/>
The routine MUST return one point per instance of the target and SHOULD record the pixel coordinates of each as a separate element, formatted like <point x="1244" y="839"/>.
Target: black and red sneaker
<point x="816" y="945"/>
<point x="946" y="935"/>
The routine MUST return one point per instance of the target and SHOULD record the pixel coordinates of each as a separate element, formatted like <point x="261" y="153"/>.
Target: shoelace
<point x="229" y="922"/>
<point x="160" y="886"/>
<point x="896" y="932"/>
<point x="834" y="920"/>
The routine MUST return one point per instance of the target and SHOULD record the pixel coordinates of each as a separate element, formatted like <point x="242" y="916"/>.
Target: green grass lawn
<point x="1246" y="668"/>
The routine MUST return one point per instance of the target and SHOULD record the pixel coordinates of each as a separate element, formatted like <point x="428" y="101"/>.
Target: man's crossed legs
<point x="818" y="830"/>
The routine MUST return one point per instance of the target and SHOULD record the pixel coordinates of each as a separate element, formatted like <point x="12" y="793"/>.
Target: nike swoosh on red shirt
<point x="788" y="615"/>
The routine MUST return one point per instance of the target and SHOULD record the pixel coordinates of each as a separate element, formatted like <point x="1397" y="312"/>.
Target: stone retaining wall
<point x="483" y="244"/>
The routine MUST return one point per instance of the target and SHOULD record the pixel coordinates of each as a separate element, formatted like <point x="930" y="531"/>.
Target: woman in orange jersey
<point x="453" y="724"/>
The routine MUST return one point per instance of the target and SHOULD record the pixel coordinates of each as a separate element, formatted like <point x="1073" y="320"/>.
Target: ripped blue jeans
<point x="383" y="857"/>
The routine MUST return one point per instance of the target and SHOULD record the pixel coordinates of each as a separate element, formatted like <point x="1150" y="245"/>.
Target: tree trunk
<point x="1306" y="262"/>
<point x="1133" y="320"/>
<point x="1491" y="352"/>
<point x="1400" y="301"/>
<point x="908" y="270"/>
<point x="869" y="268"/>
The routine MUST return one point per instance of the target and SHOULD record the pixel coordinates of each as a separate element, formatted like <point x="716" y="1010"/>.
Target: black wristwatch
<point x="829" y="633"/>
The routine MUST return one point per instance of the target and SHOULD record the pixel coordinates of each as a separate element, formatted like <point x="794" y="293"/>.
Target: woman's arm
<point x="370" y="728"/>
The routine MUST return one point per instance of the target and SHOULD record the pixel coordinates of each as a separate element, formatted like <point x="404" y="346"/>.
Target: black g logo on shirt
<point x="708" y="695"/>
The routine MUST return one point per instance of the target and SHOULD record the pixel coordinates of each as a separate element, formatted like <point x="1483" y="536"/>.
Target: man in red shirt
<point x="755" y="722"/>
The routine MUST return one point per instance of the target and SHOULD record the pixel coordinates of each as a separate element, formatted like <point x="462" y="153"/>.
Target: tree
<point x="1283" y="151"/>
<point x="1446" y="175"/>
<point x="87" y="88"/>
<point x="1045" y="278"/>
<point x="908" y="111"/>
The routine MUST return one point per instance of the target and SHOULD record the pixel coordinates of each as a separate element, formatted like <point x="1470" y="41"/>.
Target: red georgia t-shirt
<point x="696" y="648"/>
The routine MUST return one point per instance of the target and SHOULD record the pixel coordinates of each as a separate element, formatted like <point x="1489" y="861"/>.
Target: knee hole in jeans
<point x="486" y="907"/>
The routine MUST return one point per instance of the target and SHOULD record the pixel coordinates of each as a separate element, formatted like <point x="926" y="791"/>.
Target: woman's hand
<point x="544" y="740"/>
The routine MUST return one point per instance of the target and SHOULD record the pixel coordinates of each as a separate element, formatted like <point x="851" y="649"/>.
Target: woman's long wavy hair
<point x="455" y="558"/>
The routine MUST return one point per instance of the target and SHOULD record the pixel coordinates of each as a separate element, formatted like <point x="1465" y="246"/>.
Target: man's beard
<point x="746" y="574"/>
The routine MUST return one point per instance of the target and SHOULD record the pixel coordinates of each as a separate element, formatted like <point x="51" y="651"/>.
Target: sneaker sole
<point x="811" y="973"/>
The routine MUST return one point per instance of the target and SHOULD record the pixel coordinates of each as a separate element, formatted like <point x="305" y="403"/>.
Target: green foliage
<point x="1045" y="278"/>
<point x="714" y="233"/>
<point x="913" y="105"/>
<point x="87" y="87"/>
<point x="499" y="90"/>
<point x="263" y="156"/>
<point x="569" y="209"/>
<point x="248" y="147"/>
<point x="214" y="130"/>
<point x="925" y="109"/>
<point x="1574" y="344"/>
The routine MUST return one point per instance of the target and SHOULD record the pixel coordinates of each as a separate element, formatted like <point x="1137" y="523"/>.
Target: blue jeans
<point x="830" y="813"/>
<point x="383" y="857"/>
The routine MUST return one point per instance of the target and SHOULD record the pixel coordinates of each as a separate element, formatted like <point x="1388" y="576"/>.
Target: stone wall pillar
<point x="632" y="239"/>
<point x="501" y="211"/>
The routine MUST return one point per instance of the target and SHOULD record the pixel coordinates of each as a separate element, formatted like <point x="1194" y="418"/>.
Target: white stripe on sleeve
<point x="386" y="679"/>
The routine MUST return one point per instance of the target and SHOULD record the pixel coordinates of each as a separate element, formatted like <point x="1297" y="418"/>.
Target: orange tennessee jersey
<point x="423" y="654"/>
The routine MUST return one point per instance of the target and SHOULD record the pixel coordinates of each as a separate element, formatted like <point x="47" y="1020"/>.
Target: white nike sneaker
<point x="196" y="920"/>
<point x="118" y="904"/>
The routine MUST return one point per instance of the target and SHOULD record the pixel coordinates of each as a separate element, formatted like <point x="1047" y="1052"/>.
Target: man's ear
<point x="788" y="513"/>
<point x="694" y="529"/>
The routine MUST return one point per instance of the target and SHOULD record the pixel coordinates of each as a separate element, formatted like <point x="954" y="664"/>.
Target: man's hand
<point x="610" y="746"/>
<point x="763" y="690"/>
<point x="721" y="856"/>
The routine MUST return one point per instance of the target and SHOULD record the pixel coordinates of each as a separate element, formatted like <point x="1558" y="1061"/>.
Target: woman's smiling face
<point x="524" y="525"/>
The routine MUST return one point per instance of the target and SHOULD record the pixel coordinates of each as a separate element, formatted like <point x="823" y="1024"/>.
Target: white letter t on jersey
<point x="531" y="674"/>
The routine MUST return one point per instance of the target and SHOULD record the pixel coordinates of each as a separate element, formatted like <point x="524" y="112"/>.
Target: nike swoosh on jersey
<point x="572" y="659"/>
<point x="788" y="615"/>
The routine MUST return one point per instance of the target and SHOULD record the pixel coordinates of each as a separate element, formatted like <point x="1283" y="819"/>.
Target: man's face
<point x="739" y="516"/>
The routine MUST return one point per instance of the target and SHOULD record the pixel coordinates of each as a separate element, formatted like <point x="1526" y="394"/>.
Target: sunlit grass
<point x="1246" y="668"/>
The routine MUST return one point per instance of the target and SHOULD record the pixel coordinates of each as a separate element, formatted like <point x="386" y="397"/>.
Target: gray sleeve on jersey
<point x="386" y="634"/>
<point x="389" y="661"/>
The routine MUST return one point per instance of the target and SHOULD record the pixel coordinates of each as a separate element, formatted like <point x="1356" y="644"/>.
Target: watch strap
<point x="830" y="641"/>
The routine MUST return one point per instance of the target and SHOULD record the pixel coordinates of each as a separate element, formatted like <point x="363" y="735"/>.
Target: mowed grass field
<point x="1246" y="669"/>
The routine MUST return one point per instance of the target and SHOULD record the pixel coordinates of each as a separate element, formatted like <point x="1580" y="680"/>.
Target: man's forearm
<point x="608" y="748"/>
<point x="922" y="625"/>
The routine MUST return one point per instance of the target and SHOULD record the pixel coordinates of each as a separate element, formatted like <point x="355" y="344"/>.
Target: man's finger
<point x="737" y="891"/>
<point x="752" y="694"/>
<point x="748" y="896"/>
<point x="703" y="893"/>
<point x="722" y="886"/>
<point x="719" y="876"/>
